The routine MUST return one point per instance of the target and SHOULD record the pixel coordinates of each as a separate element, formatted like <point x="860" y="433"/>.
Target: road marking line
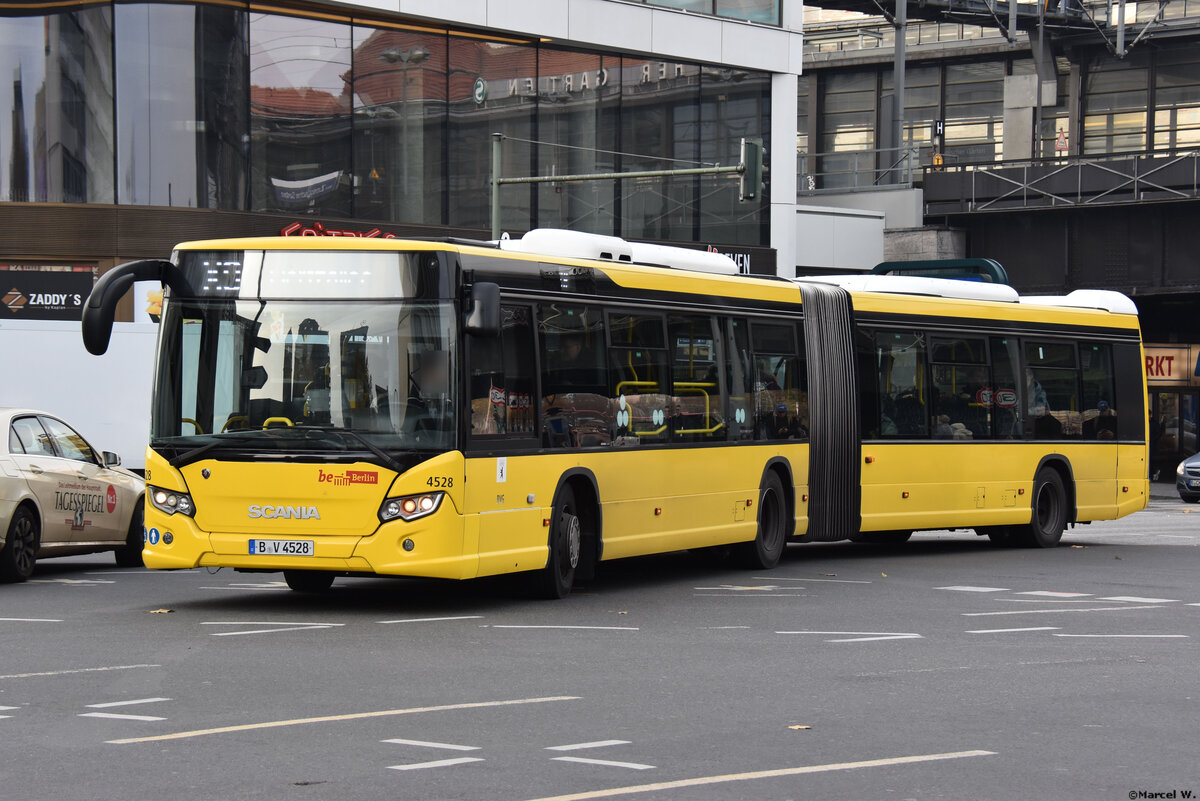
<point x="272" y="631"/>
<point x="874" y="635"/>
<point x="1133" y="599"/>
<point x="721" y="628"/>
<point x="1048" y="600"/>
<point x="1048" y="611"/>
<point x="273" y="724"/>
<point x="265" y="623"/>
<point x="605" y="762"/>
<point x="745" y="595"/>
<point x="77" y="670"/>
<point x="1004" y="631"/>
<point x="740" y="588"/>
<point x="1193" y="604"/>
<point x="427" y="744"/>
<point x="963" y="588"/>
<point x="115" y="716"/>
<point x="431" y="619"/>
<point x="8" y="708"/>
<point x="247" y="589"/>
<point x="80" y="582"/>
<point x="587" y="628"/>
<point x="5" y="716"/>
<point x="127" y="703"/>
<point x="574" y="746"/>
<point x="1127" y="636"/>
<point x="441" y="763"/>
<point x="762" y="774"/>
<point x="829" y="581"/>
<point x="1057" y="594"/>
<point x="31" y="619"/>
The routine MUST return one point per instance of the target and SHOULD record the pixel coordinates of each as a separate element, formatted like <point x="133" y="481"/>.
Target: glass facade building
<point x="224" y="106"/>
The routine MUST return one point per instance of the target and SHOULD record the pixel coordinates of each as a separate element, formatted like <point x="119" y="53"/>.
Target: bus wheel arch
<point x="574" y="539"/>
<point x="783" y="470"/>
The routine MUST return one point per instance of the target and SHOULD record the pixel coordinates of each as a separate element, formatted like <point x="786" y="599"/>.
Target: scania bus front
<point x="304" y="412"/>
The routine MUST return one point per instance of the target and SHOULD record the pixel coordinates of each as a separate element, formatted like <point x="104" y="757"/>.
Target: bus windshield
<point x="346" y="379"/>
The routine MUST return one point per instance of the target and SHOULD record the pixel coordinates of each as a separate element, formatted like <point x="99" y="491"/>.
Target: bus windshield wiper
<point x="388" y="460"/>
<point x="187" y="457"/>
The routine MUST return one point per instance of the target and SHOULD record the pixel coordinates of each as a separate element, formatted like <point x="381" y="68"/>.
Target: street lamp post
<point x="406" y="57"/>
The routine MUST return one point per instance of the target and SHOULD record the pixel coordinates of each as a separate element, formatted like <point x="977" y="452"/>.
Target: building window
<point x="847" y="128"/>
<point x="300" y="115"/>
<point x="734" y="104"/>
<point x="399" y="125"/>
<point x="1177" y="99"/>
<point x="1115" y="99"/>
<point x="974" y="112"/>
<point x="57" y="100"/>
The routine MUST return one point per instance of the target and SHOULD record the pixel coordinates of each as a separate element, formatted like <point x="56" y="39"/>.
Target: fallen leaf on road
<point x="1078" y="546"/>
<point x="161" y="611"/>
<point x="829" y="574"/>
<point x="883" y="574"/>
<point x="1118" y="558"/>
<point x="794" y="728"/>
<point x="622" y="613"/>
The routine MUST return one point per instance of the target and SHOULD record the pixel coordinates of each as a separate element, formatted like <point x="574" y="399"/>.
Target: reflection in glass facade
<point x="217" y="106"/>
<point x="56" y="83"/>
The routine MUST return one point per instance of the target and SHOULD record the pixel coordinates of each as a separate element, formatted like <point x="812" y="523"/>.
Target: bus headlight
<point x="170" y="501"/>
<point x="410" y="507"/>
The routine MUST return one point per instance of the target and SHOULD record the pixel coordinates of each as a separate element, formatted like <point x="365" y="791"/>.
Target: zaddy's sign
<point x="37" y="295"/>
<point x="318" y="229"/>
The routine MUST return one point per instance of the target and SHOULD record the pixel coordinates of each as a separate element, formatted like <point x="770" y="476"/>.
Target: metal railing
<point x="1060" y="182"/>
<point x="856" y="170"/>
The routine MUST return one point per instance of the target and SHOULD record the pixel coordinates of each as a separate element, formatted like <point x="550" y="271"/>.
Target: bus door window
<point x="900" y="366"/>
<point x="1007" y="391"/>
<point x="1052" y="391"/>
<point x="738" y="372"/>
<point x="696" y="411"/>
<point x="576" y="409"/>
<point x="962" y="398"/>
<point x="638" y="378"/>
<point x="779" y="386"/>
<point x="869" y="405"/>
<point x="1099" y="409"/>
<point x="501" y="384"/>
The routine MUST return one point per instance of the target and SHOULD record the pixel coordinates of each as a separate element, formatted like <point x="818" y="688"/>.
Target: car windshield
<point x="302" y="377"/>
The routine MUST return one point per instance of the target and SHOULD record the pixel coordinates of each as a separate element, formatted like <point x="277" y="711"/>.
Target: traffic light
<point x="752" y="170"/>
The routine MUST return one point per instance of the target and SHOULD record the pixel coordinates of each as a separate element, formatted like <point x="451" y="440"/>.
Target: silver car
<point x="58" y="497"/>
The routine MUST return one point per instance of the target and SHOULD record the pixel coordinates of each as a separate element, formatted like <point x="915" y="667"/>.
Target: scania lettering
<point x="542" y="405"/>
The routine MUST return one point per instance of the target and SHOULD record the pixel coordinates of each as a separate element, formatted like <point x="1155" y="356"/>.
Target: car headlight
<point x="1179" y="470"/>
<point x="410" y="507"/>
<point x="170" y="501"/>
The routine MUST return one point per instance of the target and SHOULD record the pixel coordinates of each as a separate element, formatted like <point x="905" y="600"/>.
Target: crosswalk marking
<point x="427" y="744"/>
<point x="440" y="763"/>
<point x="606" y="762"/>
<point x="1133" y="599"/>
<point x="1057" y="594"/>
<point x="958" y="588"/>
<point x="115" y="716"/>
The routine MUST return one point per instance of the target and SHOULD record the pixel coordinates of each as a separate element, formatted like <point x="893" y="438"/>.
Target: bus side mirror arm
<point x="100" y="308"/>
<point x="483" y="311"/>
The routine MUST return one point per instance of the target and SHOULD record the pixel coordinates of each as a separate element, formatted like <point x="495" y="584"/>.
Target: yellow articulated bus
<point x="455" y="409"/>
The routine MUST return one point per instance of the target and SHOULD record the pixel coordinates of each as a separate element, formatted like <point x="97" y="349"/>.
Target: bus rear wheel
<point x="556" y="579"/>
<point x="314" y="581"/>
<point x="1049" y="513"/>
<point x="766" y="549"/>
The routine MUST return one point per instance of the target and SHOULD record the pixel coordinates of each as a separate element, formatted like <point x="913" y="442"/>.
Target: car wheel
<point x="314" y="581"/>
<point x="20" y="546"/>
<point x="131" y="554"/>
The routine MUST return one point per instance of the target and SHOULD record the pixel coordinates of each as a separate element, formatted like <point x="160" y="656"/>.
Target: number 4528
<point x="440" y="482"/>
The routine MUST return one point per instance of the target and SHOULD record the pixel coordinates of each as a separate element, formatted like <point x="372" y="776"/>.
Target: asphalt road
<point x="943" y="669"/>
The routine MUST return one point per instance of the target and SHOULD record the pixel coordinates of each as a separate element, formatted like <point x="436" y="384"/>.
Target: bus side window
<point x="1099" y="413"/>
<point x="696" y="411"/>
<point x="868" y="383"/>
<point x="900" y="366"/>
<point x="961" y="395"/>
<point x="738" y="367"/>
<point x="576" y="412"/>
<point x="638" y="378"/>
<point x="501" y="382"/>
<point x="780" y="395"/>
<point x="1052" y="391"/>
<point x="1007" y="391"/>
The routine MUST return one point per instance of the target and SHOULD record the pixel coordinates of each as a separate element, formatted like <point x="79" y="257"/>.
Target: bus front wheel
<point x="308" y="580"/>
<point x="1049" y="516"/>
<point x="555" y="580"/>
<point x="765" y="550"/>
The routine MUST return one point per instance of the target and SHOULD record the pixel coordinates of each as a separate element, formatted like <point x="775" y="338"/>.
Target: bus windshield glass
<point x="334" y="379"/>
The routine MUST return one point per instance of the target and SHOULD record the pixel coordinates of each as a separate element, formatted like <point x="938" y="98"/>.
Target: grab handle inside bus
<point x="483" y="309"/>
<point x="101" y="304"/>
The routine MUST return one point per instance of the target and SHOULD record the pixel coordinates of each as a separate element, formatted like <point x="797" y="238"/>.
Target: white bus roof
<point x="578" y="244"/>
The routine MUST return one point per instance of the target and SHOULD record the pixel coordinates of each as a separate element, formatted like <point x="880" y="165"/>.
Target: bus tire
<point x="131" y="554"/>
<point x="555" y="580"/>
<point x="765" y="550"/>
<point x="1049" y="512"/>
<point x="311" y="581"/>
<point x="20" y="546"/>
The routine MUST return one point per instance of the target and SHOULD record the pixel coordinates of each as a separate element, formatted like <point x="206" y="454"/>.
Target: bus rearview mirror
<point x="483" y="310"/>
